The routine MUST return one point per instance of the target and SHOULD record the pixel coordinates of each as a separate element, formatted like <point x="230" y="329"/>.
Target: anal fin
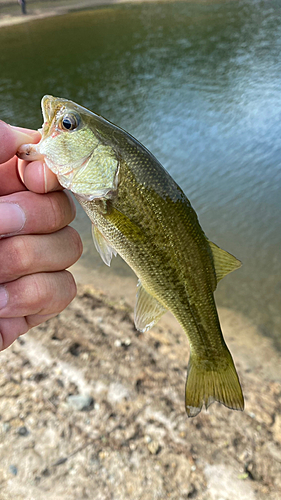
<point x="105" y="250"/>
<point x="148" y="310"/>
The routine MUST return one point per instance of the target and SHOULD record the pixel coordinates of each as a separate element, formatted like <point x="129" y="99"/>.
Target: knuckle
<point x="35" y="292"/>
<point x="71" y="285"/>
<point x="75" y="241"/>
<point x="20" y="256"/>
<point x="41" y="294"/>
<point x="11" y="329"/>
<point x="56" y="214"/>
<point x="60" y="210"/>
<point x="52" y="292"/>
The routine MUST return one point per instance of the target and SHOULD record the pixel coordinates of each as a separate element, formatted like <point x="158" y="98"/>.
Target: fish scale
<point x="138" y="211"/>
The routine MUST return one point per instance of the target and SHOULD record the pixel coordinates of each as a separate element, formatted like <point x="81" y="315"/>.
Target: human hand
<point x="36" y="243"/>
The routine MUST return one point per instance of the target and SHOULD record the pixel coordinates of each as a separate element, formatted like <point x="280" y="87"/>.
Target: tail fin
<point x="209" y="381"/>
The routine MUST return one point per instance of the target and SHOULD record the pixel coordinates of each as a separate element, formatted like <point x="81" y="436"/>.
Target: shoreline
<point x="42" y="11"/>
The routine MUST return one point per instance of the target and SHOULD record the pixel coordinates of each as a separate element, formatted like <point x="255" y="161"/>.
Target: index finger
<point x="18" y="175"/>
<point x="10" y="181"/>
<point x="11" y="139"/>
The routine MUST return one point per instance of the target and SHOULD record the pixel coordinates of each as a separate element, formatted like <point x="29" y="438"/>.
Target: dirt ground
<point x="127" y="436"/>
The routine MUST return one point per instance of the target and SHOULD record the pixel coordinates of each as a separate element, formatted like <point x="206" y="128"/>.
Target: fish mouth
<point x="51" y="106"/>
<point x="47" y="105"/>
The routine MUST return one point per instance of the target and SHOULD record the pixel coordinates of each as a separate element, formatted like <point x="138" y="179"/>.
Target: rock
<point x="153" y="447"/>
<point x="222" y="483"/>
<point x="13" y="469"/>
<point x="276" y="429"/>
<point x="6" y="426"/>
<point x="80" y="402"/>
<point x="147" y="439"/>
<point x="117" y="392"/>
<point x="23" y="431"/>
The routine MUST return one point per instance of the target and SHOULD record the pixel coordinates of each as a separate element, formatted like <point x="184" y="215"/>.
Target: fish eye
<point x="69" y="122"/>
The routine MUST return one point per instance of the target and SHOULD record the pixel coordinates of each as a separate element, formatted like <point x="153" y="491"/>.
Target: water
<point x="199" y="85"/>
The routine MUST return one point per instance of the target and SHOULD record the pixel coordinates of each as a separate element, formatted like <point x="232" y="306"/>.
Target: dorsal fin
<point x="147" y="310"/>
<point x="224" y="262"/>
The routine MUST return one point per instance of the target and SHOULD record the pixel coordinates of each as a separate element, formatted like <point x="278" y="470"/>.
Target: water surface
<point x="199" y="85"/>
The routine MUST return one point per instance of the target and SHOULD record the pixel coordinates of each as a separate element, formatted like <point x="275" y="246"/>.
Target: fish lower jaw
<point x="29" y="152"/>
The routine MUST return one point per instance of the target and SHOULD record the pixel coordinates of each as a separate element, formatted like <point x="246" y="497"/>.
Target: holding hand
<point x="36" y="243"/>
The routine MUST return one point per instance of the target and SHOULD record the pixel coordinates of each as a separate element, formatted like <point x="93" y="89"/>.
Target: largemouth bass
<point x="138" y="211"/>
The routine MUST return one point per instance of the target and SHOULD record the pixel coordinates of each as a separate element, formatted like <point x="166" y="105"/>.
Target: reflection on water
<point x="199" y="85"/>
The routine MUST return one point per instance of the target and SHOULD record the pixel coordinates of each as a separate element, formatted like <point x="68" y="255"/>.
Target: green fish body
<point x="138" y="211"/>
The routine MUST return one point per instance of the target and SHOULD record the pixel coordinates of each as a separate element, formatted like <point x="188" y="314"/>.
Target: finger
<point x="37" y="177"/>
<point x="31" y="213"/>
<point x="37" y="319"/>
<point x="37" y="294"/>
<point x="11" y="139"/>
<point x="10" y="181"/>
<point x="11" y="329"/>
<point x="30" y="254"/>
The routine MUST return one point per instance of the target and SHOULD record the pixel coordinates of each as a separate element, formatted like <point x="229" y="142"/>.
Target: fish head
<point x="74" y="146"/>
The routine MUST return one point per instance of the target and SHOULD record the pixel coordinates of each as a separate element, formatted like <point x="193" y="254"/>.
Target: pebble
<point x="117" y="392"/>
<point x="276" y="429"/>
<point x="13" y="469"/>
<point x="153" y="447"/>
<point x="23" y="431"/>
<point x="123" y="342"/>
<point x="6" y="427"/>
<point x="80" y="402"/>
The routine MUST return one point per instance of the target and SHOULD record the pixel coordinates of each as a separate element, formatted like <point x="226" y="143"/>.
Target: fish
<point x="138" y="211"/>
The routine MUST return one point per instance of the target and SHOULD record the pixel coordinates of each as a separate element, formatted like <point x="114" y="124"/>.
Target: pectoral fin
<point x="147" y="310"/>
<point x="102" y="246"/>
<point x="224" y="262"/>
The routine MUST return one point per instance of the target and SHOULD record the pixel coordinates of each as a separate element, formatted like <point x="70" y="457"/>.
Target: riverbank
<point x="10" y="11"/>
<point x="91" y="408"/>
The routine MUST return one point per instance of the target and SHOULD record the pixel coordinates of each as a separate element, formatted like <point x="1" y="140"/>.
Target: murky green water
<point x="200" y="86"/>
